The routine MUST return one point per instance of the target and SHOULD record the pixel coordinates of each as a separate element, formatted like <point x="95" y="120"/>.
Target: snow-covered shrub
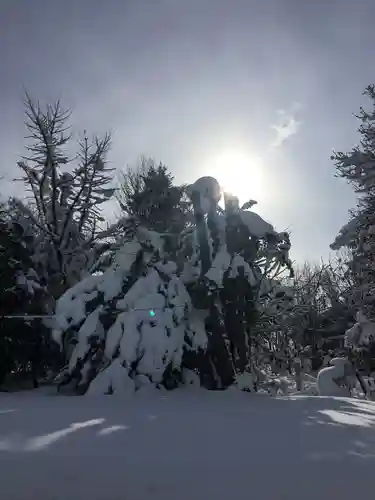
<point x="245" y="382"/>
<point x="131" y="324"/>
<point x="274" y="335"/>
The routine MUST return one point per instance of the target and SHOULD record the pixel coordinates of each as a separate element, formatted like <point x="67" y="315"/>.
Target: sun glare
<point x="239" y="173"/>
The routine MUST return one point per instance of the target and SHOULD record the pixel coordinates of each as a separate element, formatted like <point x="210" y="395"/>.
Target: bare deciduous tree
<point x="65" y="206"/>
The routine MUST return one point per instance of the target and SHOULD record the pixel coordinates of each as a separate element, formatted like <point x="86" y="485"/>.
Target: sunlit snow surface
<point x="186" y="445"/>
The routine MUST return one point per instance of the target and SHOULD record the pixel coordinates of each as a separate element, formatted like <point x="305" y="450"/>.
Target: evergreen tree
<point x="230" y="259"/>
<point x="24" y="344"/>
<point x="142" y="319"/>
<point x="128" y="326"/>
<point x="149" y="194"/>
<point x="358" y="167"/>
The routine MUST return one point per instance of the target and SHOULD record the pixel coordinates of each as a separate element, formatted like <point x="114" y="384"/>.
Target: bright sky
<point x="256" y="93"/>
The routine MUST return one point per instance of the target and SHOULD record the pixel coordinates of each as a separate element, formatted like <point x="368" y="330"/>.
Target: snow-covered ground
<point x="186" y="445"/>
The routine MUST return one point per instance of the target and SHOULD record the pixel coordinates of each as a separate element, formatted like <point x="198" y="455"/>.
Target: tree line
<point x="180" y="289"/>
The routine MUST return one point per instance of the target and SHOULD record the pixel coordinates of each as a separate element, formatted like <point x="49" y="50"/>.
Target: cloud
<point x="288" y="126"/>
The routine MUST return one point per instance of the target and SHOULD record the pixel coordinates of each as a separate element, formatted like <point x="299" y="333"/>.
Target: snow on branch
<point x="66" y="194"/>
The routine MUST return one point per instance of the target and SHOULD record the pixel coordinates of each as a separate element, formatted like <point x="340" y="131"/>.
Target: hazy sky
<point x="256" y="92"/>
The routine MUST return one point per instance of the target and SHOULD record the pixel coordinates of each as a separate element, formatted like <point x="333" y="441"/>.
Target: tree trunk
<point x="204" y="249"/>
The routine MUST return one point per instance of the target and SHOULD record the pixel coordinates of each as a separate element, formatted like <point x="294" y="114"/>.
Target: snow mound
<point x="336" y="380"/>
<point x="112" y="380"/>
<point x="361" y="334"/>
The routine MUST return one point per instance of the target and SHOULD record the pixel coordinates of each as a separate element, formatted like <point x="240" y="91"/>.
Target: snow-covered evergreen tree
<point x="230" y="258"/>
<point x="24" y="344"/>
<point x="142" y="318"/>
<point x="148" y="193"/>
<point x="358" y="167"/>
<point x="64" y="208"/>
<point x="131" y="324"/>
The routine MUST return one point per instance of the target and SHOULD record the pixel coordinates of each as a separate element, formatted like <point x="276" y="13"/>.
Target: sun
<point x="238" y="172"/>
